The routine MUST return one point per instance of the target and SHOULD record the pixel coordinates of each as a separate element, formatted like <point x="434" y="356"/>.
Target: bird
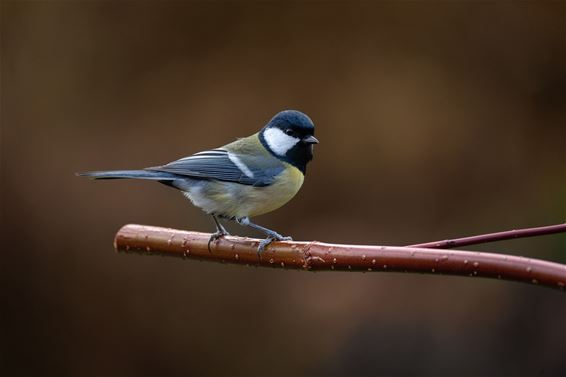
<point x="249" y="177"/>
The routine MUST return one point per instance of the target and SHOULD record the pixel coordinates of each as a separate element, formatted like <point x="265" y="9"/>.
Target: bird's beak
<point x="310" y="140"/>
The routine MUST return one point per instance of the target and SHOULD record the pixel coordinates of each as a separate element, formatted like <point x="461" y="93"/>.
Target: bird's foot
<point x="216" y="236"/>
<point x="275" y="237"/>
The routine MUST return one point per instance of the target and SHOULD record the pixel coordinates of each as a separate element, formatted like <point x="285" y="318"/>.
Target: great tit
<point x="248" y="177"/>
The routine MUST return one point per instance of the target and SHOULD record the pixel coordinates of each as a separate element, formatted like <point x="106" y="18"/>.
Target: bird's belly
<point x="237" y="200"/>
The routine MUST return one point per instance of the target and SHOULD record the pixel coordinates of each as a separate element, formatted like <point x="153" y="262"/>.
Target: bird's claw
<point x="215" y="237"/>
<point x="265" y="242"/>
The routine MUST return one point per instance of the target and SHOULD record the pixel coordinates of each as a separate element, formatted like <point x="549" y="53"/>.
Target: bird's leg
<point x="271" y="234"/>
<point x="220" y="232"/>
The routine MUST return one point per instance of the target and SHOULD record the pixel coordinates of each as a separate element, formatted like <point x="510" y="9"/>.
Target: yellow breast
<point x="266" y="199"/>
<point x="232" y="199"/>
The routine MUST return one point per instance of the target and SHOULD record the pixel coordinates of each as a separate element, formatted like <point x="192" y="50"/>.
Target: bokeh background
<point x="436" y="120"/>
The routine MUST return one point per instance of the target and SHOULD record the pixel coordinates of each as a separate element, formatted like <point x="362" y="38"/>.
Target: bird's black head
<point x="289" y="136"/>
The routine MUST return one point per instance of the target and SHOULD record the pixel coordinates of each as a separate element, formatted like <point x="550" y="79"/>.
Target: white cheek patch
<point x="278" y="141"/>
<point x="240" y="164"/>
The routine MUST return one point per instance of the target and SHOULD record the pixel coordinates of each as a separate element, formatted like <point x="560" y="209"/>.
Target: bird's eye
<point x="289" y="132"/>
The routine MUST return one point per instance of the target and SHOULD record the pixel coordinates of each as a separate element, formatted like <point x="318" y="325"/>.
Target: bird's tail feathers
<point x="131" y="174"/>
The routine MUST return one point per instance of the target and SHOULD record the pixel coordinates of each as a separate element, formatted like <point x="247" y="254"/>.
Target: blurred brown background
<point x="436" y="120"/>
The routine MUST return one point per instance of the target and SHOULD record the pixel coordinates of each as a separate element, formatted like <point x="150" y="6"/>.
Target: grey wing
<point x="226" y="166"/>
